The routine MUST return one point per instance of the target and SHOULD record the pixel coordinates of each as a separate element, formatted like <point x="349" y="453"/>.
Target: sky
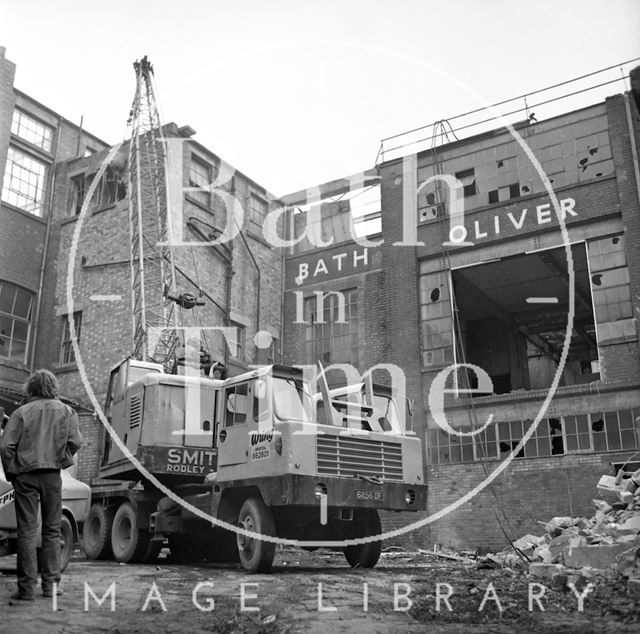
<point x="296" y="93"/>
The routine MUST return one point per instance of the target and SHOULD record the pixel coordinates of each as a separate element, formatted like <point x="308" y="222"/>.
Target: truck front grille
<point x="350" y="456"/>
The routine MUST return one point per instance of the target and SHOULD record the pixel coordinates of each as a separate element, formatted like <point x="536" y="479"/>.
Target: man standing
<point x="40" y="439"/>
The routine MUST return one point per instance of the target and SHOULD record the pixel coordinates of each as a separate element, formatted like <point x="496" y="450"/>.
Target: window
<point x="15" y="316"/>
<point x="32" y="130"/>
<point x="274" y="354"/>
<point x="237" y="405"/>
<point x="66" y="348"/>
<point x="611" y="289"/>
<point x="110" y="189"/>
<point x="257" y="209"/>
<point x="504" y="193"/>
<point x="77" y="194"/>
<point x="436" y="321"/>
<point x="24" y="182"/>
<point x="241" y="343"/>
<point x="576" y="433"/>
<point x="468" y="180"/>
<point x="329" y="338"/>
<point x="200" y="177"/>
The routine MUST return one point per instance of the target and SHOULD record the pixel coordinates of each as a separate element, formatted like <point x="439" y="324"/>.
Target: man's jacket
<point x="41" y="434"/>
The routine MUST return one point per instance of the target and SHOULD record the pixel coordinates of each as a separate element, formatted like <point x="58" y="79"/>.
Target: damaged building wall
<point x="436" y="305"/>
<point x="590" y="421"/>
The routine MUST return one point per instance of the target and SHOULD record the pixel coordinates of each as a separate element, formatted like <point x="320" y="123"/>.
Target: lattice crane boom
<point x="152" y="266"/>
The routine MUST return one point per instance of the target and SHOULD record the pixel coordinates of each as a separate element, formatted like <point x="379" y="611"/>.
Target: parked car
<point x="76" y="500"/>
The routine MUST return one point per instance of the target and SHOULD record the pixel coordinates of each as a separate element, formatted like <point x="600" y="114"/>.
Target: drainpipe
<point x="632" y="139"/>
<point x="43" y="261"/>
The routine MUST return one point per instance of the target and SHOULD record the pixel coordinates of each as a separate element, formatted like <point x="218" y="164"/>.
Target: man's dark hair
<point x="42" y="384"/>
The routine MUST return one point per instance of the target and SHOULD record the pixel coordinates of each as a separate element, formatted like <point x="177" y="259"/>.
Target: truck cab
<point x="286" y="470"/>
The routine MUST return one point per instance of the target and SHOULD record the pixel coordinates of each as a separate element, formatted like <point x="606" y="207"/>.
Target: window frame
<point x="199" y="192"/>
<point x="13" y="318"/>
<point x="16" y="127"/>
<point x="66" y="355"/>
<point x="33" y="205"/>
<point x="329" y="330"/>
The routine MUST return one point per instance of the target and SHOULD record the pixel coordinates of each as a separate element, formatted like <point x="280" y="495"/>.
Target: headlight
<point x="321" y="489"/>
<point x="410" y="496"/>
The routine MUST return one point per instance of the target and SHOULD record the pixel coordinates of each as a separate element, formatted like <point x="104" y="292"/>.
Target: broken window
<point x="468" y="180"/>
<point x="554" y="436"/>
<point x="109" y="190"/>
<point x="77" y="194"/>
<point x="436" y="332"/>
<point x="611" y="289"/>
<point x="504" y="193"/>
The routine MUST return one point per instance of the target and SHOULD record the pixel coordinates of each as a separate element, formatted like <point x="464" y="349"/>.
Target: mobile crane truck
<point x="260" y="461"/>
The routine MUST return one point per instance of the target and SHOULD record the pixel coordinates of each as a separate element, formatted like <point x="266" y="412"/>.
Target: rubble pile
<point x="607" y="544"/>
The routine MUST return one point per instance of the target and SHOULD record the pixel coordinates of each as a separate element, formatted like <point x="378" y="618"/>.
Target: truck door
<point x="233" y="425"/>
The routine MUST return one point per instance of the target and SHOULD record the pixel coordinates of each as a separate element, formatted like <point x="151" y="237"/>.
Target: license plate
<point x="372" y="496"/>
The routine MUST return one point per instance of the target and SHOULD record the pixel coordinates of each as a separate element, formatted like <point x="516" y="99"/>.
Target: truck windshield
<point x="290" y="400"/>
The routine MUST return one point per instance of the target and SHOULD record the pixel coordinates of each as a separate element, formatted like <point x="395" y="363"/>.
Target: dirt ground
<point x="310" y="592"/>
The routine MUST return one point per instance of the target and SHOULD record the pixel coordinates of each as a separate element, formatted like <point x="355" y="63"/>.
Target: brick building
<point x="477" y="271"/>
<point x="49" y="166"/>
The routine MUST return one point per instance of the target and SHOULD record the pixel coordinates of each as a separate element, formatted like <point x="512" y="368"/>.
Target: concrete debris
<point x="608" y="544"/>
<point x="633" y="589"/>
<point x="546" y="571"/>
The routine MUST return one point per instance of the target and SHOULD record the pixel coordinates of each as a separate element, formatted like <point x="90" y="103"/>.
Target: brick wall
<point x="528" y="492"/>
<point x="621" y="139"/>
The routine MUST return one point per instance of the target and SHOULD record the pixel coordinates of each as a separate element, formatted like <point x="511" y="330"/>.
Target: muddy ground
<point x="287" y="600"/>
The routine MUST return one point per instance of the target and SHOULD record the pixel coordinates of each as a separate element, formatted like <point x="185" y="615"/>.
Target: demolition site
<point x="413" y="391"/>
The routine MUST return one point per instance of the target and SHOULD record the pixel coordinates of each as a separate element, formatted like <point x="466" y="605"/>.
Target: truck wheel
<point x="66" y="542"/>
<point x="256" y="555"/>
<point x="96" y="532"/>
<point x="365" y="555"/>
<point x="128" y="542"/>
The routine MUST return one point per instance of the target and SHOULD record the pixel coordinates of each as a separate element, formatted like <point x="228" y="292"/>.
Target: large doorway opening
<point x="511" y="320"/>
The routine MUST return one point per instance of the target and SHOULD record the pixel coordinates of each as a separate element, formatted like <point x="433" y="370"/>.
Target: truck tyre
<point x="96" y="532"/>
<point x="66" y="542"/>
<point x="128" y="542"/>
<point x="256" y="555"/>
<point x="365" y="555"/>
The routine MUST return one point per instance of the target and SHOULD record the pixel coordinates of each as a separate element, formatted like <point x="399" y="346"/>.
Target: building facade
<point x="511" y="306"/>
